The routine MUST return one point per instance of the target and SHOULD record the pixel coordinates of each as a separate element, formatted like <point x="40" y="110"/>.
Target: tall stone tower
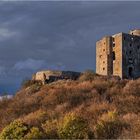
<point x="119" y="55"/>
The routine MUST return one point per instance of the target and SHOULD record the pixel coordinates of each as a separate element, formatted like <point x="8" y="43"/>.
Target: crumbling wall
<point x="53" y="75"/>
<point x="104" y="56"/>
<point x="119" y="55"/>
<point x="117" y="58"/>
<point x="131" y="56"/>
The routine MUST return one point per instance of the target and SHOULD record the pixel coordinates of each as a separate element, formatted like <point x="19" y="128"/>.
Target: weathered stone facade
<point x="119" y="55"/>
<point x="54" y="75"/>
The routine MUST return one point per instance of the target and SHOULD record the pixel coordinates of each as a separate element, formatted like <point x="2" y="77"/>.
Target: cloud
<point x="29" y="64"/>
<point x="6" y="33"/>
<point x="56" y="35"/>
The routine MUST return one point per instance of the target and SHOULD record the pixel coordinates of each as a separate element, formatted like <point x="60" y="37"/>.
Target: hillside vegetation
<point x="90" y="107"/>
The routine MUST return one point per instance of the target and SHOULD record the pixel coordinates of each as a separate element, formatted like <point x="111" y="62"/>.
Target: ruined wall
<point x="47" y="73"/>
<point x="119" y="55"/>
<point x="54" y="75"/>
<point x="117" y="50"/>
<point x="104" y="56"/>
<point x="131" y="56"/>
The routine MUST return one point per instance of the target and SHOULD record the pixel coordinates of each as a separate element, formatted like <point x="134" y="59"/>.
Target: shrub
<point x="73" y="127"/>
<point x="15" y="130"/>
<point x="133" y="129"/>
<point x="28" y="83"/>
<point x="50" y="128"/>
<point x="132" y="88"/>
<point x="34" y="133"/>
<point x="109" y="127"/>
<point x="87" y="75"/>
<point x="35" y="118"/>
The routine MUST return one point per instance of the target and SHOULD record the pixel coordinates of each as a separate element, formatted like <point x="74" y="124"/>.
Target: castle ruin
<point x="119" y="55"/>
<point x="49" y="76"/>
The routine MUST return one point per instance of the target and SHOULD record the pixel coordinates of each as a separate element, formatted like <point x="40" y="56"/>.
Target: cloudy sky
<point x="56" y="35"/>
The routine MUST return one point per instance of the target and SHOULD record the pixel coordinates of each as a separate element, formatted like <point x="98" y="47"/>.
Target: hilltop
<point x="90" y="107"/>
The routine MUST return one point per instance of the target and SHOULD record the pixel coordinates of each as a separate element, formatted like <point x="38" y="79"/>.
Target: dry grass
<point x="89" y="99"/>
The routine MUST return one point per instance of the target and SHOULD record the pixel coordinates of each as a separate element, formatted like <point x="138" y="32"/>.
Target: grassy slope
<point x="89" y="98"/>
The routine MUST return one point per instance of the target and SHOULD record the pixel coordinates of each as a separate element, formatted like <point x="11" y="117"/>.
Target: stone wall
<point x="53" y="75"/>
<point x="131" y="56"/>
<point x="104" y="56"/>
<point x="119" y="55"/>
<point x="117" y="50"/>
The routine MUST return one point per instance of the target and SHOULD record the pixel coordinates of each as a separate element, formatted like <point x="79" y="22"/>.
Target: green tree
<point x="34" y="133"/>
<point x="73" y="127"/>
<point x="15" y="130"/>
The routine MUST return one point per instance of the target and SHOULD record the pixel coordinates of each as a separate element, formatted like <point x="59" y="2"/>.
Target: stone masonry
<point x="119" y="55"/>
<point x="54" y="75"/>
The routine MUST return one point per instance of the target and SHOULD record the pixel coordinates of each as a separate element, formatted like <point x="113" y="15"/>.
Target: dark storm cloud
<point x="56" y="35"/>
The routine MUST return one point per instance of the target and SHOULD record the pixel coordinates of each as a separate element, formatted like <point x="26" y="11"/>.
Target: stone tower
<point x="119" y="55"/>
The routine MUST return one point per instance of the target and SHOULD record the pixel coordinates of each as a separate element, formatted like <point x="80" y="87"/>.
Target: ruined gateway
<point x="49" y="76"/>
<point x="119" y="55"/>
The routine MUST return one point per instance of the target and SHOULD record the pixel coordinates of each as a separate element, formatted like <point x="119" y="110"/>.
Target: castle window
<point x="130" y="44"/>
<point x="130" y="52"/>
<point x="103" y="62"/>
<point x="103" y="49"/>
<point x="103" y="68"/>
<point x="113" y="44"/>
<point x="124" y="38"/>
<point x="113" y="55"/>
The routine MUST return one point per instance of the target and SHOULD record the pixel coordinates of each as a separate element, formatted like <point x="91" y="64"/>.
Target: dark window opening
<point x="103" y="68"/>
<point x="130" y="71"/>
<point x="113" y="55"/>
<point x="130" y="52"/>
<point x="130" y="44"/>
<point x="113" y="44"/>
<point x="138" y="47"/>
<point x="103" y="49"/>
<point x="124" y="38"/>
<point x="103" y="61"/>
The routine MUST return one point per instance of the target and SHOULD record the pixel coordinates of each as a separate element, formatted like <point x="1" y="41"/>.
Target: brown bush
<point x="28" y="83"/>
<point x="35" y="118"/>
<point x="88" y="75"/>
<point x="132" y="87"/>
<point x="89" y="99"/>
